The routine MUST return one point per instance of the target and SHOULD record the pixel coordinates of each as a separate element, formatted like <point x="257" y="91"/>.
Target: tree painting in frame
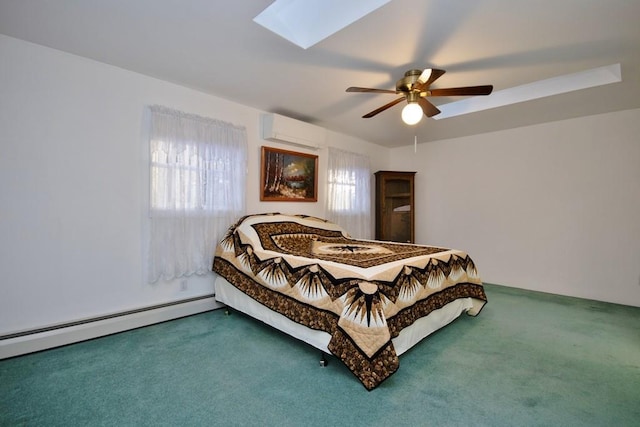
<point x="287" y="176"/>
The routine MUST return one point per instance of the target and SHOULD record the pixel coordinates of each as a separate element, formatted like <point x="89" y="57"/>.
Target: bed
<point x="364" y="301"/>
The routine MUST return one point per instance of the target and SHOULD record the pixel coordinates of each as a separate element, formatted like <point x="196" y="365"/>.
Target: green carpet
<point x="529" y="359"/>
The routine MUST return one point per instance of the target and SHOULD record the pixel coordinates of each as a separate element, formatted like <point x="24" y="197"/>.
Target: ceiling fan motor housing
<point x="406" y="83"/>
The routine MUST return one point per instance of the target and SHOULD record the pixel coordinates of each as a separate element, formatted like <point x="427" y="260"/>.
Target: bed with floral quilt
<point x="364" y="301"/>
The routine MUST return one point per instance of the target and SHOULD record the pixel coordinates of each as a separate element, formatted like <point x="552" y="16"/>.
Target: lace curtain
<point x="349" y="192"/>
<point x="197" y="189"/>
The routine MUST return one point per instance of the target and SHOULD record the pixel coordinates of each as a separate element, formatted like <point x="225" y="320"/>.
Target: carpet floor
<point x="528" y="359"/>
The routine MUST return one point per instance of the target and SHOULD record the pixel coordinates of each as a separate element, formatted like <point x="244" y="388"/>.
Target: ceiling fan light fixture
<point x="415" y="88"/>
<point x="412" y="113"/>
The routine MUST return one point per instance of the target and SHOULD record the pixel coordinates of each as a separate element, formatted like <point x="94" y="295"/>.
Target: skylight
<point x="540" y="89"/>
<point x="306" y="22"/>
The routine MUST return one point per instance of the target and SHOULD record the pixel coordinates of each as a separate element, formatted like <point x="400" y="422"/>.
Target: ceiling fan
<point x="414" y="87"/>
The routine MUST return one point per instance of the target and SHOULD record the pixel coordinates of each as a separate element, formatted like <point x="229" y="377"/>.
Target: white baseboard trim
<point x="45" y="338"/>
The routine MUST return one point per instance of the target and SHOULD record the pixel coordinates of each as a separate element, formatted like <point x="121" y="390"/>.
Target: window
<point x="342" y="185"/>
<point x="197" y="188"/>
<point x="348" y="192"/>
<point x="192" y="180"/>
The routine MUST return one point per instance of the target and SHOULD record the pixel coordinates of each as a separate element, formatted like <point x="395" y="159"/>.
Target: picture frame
<point x="288" y="176"/>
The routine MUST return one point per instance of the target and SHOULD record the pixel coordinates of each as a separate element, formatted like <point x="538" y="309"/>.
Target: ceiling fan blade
<point x="430" y="77"/>
<point x="428" y="108"/>
<point x="370" y="90"/>
<point x="384" y="107"/>
<point x="461" y="91"/>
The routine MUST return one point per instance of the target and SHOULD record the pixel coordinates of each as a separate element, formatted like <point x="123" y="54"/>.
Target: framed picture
<point x="287" y="176"/>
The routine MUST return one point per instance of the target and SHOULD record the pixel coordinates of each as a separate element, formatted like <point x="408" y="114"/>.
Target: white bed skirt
<point x="228" y="294"/>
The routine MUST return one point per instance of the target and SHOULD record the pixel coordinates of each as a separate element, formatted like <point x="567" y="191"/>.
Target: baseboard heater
<point x="29" y="341"/>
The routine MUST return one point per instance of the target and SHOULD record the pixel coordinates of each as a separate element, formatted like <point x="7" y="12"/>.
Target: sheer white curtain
<point x="198" y="185"/>
<point x="348" y="192"/>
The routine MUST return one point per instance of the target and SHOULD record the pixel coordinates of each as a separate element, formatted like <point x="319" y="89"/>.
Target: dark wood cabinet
<point x="395" y="207"/>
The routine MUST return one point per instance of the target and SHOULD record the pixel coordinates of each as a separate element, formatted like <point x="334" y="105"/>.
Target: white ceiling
<point x="216" y="47"/>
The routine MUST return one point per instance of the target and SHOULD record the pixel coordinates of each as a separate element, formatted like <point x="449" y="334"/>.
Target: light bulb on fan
<point x="412" y="113"/>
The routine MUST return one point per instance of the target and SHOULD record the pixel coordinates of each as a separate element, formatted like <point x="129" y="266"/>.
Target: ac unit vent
<point x="290" y="131"/>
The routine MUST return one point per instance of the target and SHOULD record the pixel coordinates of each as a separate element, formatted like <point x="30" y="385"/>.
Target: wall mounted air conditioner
<point x="290" y="131"/>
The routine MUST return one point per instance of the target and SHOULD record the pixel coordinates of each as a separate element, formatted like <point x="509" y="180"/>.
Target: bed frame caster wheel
<point x="227" y="312"/>
<point x="323" y="361"/>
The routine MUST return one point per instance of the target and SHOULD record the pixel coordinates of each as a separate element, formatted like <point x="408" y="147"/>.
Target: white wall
<point x="74" y="184"/>
<point x="552" y="207"/>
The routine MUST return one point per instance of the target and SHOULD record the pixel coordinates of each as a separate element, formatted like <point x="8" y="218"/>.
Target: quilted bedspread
<point x="361" y="292"/>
